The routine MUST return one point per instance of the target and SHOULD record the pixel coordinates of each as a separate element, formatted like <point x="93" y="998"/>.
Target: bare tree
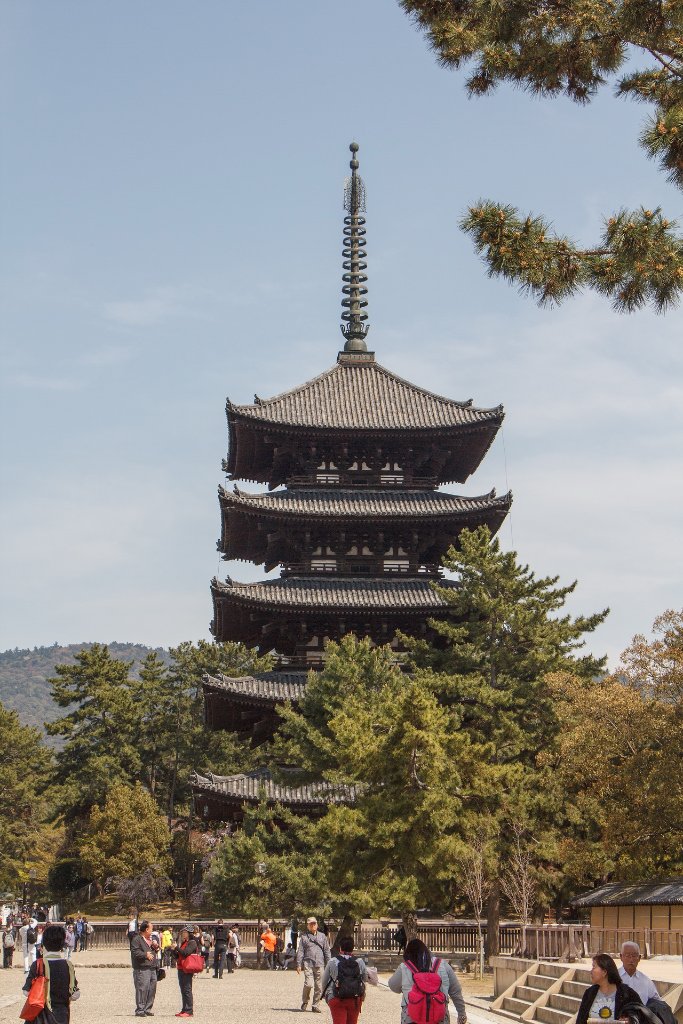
<point x="476" y="881"/>
<point x="518" y="881"/>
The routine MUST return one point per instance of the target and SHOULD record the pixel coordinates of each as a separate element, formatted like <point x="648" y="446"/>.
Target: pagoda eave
<point x="265" y="453"/>
<point x="272" y="528"/>
<point x="223" y="798"/>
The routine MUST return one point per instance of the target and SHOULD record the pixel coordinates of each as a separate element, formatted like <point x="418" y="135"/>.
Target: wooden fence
<point x="573" y="941"/>
<point x="564" y="942"/>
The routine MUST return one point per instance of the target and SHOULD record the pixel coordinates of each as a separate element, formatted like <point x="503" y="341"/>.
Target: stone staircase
<point x="551" y="994"/>
<point x="546" y="993"/>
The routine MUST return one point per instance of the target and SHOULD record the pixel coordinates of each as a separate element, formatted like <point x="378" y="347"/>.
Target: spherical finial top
<point x="354" y="165"/>
<point x="354" y="147"/>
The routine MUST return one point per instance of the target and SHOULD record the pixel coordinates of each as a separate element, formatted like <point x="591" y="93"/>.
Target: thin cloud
<point x="35" y="382"/>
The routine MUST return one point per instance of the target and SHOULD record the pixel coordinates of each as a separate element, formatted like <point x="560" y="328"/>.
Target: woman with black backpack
<point x="426" y="984"/>
<point x="343" y="984"/>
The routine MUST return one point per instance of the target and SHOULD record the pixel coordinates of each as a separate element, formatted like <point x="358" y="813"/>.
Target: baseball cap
<point x="311" y="920"/>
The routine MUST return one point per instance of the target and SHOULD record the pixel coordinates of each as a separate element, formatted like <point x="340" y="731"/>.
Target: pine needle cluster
<point x="572" y="48"/>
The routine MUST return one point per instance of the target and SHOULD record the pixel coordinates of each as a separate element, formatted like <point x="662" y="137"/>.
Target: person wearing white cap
<point x="312" y="953"/>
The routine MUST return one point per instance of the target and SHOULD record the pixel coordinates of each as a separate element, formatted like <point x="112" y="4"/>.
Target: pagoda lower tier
<point x="247" y="705"/>
<point x="295" y="616"/>
<point x="353" y="531"/>
<point x="224" y="797"/>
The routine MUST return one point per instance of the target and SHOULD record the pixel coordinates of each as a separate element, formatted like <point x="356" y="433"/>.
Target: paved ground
<point x="253" y="997"/>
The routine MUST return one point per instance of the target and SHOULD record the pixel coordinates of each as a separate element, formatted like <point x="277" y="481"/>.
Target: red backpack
<point x="426" y="1002"/>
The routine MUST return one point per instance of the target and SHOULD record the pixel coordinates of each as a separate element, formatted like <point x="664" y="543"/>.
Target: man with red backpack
<point x="426" y="984"/>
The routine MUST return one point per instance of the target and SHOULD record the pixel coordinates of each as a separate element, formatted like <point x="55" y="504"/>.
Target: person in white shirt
<point x="630" y="975"/>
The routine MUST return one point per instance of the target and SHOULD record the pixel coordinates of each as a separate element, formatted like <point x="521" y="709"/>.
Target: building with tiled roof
<point x="352" y="517"/>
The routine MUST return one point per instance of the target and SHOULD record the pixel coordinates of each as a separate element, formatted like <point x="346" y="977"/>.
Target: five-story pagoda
<point x="353" y="460"/>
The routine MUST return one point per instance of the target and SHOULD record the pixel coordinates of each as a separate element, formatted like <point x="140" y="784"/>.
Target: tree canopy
<point x="574" y="48"/>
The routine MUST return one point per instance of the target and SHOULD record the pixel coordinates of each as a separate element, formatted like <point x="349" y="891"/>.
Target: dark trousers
<point x="185" y="982"/>
<point x="145" y="981"/>
<point x="219" y="961"/>
<point x="230" y="959"/>
<point x="7" y="956"/>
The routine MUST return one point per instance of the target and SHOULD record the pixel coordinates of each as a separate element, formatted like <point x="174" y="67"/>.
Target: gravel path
<point x="247" y="997"/>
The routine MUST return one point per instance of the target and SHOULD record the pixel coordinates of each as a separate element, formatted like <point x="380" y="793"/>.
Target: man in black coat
<point x="144" y="959"/>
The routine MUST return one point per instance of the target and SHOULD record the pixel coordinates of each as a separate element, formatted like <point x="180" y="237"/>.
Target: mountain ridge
<point x="25" y="674"/>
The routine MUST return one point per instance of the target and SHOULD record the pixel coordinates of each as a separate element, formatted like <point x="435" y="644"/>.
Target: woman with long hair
<point x="62" y="986"/>
<point x="606" y="997"/>
<point x="417" y="959"/>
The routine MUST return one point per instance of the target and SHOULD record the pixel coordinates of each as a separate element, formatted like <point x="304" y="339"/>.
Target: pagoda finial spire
<point x="354" y="302"/>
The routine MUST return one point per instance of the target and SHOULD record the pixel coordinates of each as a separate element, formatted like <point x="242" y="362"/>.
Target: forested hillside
<point x="24" y="675"/>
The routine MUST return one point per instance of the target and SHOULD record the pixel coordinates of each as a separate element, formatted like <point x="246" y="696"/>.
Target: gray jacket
<point x="402" y="981"/>
<point x="312" y="949"/>
<point x="330" y="975"/>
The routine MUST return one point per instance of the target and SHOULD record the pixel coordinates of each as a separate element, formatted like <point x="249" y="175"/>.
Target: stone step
<point x="569" y="1004"/>
<point x="541" y="981"/>
<point x="529" y="993"/>
<point x="573" y="988"/>
<point x="548" y="1015"/>
<point x="584" y="975"/>
<point x="517" y="1006"/>
<point x="552" y="970"/>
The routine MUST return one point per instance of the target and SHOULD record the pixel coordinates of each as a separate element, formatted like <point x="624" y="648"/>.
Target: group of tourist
<point x="152" y="951"/>
<point x="24" y="932"/>
<point x="425" y="982"/>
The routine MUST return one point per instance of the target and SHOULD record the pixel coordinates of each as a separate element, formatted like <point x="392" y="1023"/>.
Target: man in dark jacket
<point x="144" y="959"/>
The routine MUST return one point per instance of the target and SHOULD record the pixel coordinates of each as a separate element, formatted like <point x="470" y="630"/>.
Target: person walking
<point x="220" y="948"/>
<point x="27" y="941"/>
<point x="144" y="960"/>
<point x="417" y="959"/>
<point x="8" y="943"/>
<point x="344" y="983"/>
<point x="70" y="940"/>
<point x="182" y="950"/>
<point x="233" y="954"/>
<point x="312" y="955"/>
<point x="62" y="986"/>
<point x="166" y="943"/>
<point x="268" y="945"/>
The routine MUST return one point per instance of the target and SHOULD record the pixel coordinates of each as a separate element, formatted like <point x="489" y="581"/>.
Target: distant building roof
<point x="619" y="894"/>
<point x="364" y="395"/>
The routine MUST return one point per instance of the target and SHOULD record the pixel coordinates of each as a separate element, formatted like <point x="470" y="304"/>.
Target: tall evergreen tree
<point x="371" y="730"/>
<point x="23" y="767"/>
<point x="100" y="730"/>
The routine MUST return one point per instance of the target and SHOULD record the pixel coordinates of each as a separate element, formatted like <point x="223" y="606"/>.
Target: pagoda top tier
<point x="358" y="408"/>
<point x="357" y="413"/>
<point x="357" y="393"/>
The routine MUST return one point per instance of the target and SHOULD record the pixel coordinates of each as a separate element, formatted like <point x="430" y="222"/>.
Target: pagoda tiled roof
<point x="314" y="592"/>
<point x="350" y="503"/>
<point x="253" y="786"/>
<point x="364" y="396"/>
<point x="267" y="687"/>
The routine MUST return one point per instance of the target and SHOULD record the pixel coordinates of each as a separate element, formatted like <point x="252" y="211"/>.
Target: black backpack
<point x="349" y="984"/>
<point x="31" y="936"/>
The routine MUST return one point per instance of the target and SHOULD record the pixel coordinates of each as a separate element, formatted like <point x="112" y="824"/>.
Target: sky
<point x="171" y="188"/>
